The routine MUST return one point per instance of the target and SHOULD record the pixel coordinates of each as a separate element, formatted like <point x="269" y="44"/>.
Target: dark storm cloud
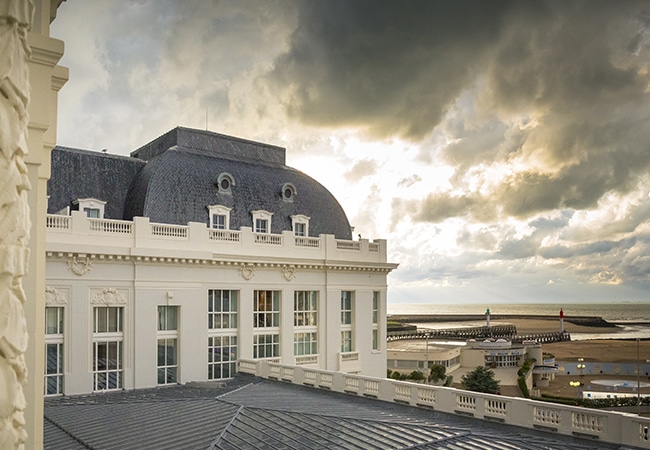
<point x="561" y="86"/>
<point x="392" y="68"/>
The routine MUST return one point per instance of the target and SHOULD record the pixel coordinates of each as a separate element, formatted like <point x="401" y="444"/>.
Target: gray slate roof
<point x="86" y="174"/>
<point x="250" y="413"/>
<point x="177" y="181"/>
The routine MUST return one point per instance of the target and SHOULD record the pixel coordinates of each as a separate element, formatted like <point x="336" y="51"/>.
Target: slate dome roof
<point x="179" y="180"/>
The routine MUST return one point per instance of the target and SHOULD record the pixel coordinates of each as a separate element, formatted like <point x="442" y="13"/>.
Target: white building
<point x="199" y="249"/>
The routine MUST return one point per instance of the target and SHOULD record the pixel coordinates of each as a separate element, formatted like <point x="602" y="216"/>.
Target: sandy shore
<point x="606" y="350"/>
<point x="532" y="326"/>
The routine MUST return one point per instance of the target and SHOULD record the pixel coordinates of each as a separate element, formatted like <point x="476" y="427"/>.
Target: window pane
<point x="172" y="317"/>
<point x="53" y="320"/>
<point x="101" y="320"/>
<point x="161" y="318"/>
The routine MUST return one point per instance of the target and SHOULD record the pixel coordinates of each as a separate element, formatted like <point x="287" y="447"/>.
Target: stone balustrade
<point x="622" y="429"/>
<point x="140" y="237"/>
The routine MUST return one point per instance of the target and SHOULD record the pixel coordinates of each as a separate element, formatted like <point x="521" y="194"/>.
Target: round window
<point x="224" y="184"/>
<point x="288" y="193"/>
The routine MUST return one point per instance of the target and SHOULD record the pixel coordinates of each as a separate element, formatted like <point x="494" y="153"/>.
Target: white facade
<point x="110" y="280"/>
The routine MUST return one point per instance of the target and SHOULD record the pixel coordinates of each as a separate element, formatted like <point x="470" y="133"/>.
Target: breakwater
<point x="508" y="332"/>
<point x="587" y="321"/>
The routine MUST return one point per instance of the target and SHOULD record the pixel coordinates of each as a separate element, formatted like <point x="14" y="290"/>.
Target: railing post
<point x="141" y="231"/>
<point x="80" y="223"/>
<point x="198" y="234"/>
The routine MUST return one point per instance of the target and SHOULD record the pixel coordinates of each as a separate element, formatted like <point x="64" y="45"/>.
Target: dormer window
<point x="300" y="224"/>
<point x="225" y="182"/>
<point x="288" y="192"/>
<point x="261" y="221"/>
<point x="219" y="217"/>
<point x="92" y="207"/>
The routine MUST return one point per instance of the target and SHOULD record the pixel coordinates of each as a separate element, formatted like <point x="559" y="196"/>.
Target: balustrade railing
<point x="622" y="429"/>
<point x="167" y="230"/>
<point x="141" y="229"/>
<point x="111" y="226"/>
<point x="307" y="242"/>
<point x="348" y="245"/>
<point x="224" y="235"/>
<point x="57" y="222"/>
<point x="268" y="239"/>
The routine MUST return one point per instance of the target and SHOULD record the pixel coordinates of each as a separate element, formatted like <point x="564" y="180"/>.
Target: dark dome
<point x="178" y="185"/>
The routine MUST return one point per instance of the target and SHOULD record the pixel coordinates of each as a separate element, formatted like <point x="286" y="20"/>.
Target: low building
<point x="200" y="249"/>
<point x="418" y="355"/>
<point x="499" y="353"/>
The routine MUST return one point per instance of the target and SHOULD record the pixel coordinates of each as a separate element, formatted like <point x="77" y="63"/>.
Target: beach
<point x="601" y="350"/>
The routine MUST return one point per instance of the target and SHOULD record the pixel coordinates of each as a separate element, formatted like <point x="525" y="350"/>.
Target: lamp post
<point x="638" y="379"/>
<point x="580" y="366"/>
<point x="576" y="384"/>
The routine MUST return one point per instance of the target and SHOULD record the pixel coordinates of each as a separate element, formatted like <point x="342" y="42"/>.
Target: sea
<point x="633" y="318"/>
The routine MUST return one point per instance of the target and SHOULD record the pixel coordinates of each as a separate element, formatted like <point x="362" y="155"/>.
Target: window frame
<point x="266" y="309"/>
<point x="54" y="339"/>
<point x="262" y="221"/>
<point x="109" y="375"/>
<point x="220" y="309"/>
<point x="219" y="211"/>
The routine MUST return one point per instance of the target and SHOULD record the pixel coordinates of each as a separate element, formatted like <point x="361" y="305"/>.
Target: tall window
<point x="346" y="341"/>
<point x="223" y="307"/>
<point x="222" y="357"/>
<point x="266" y="309"/>
<point x="266" y="315"/>
<point x="305" y="321"/>
<point x="375" y="320"/>
<point x="305" y="308"/>
<point x="108" y="338"/>
<point x="305" y="343"/>
<point x="266" y="345"/>
<point x="167" y="344"/>
<point x="53" y="350"/>
<point x="347" y="344"/>
<point x="346" y="308"/>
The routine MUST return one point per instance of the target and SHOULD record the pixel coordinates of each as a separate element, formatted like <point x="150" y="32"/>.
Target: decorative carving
<point x="289" y="272"/>
<point x="108" y="296"/>
<point x="80" y="267"/>
<point x="14" y="217"/>
<point x="54" y="297"/>
<point x="247" y="271"/>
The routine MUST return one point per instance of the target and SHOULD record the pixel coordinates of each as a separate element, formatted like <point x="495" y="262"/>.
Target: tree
<point x="480" y="379"/>
<point x="437" y="372"/>
<point x="416" y="375"/>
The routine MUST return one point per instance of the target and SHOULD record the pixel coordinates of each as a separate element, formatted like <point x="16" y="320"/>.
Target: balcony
<point x="141" y="238"/>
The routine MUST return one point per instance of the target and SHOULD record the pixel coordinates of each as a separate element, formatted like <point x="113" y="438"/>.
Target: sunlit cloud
<point x="501" y="148"/>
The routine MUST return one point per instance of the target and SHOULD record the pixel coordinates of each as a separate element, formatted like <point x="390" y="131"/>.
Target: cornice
<point x="223" y="262"/>
<point x="45" y="50"/>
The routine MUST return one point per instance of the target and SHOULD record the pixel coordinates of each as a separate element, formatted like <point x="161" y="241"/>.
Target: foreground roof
<point x="251" y="413"/>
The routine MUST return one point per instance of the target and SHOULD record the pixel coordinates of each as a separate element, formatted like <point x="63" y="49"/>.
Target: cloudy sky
<point x="502" y="148"/>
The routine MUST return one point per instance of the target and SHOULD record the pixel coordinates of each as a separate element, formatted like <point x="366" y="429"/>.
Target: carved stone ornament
<point x="80" y="267"/>
<point x="247" y="271"/>
<point x="108" y="296"/>
<point x="54" y="297"/>
<point x="15" y="18"/>
<point x="289" y="272"/>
